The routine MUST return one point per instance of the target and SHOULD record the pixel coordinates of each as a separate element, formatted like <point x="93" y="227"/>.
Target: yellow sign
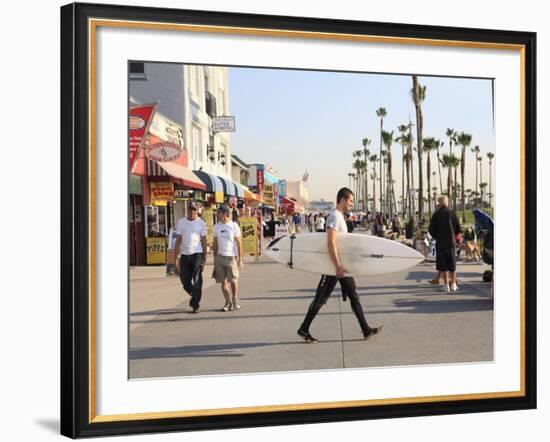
<point x="269" y="194"/>
<point x="156" y="250"/>
<point x="208" y="218"/>
<point x="219" y="197"/>
<point x="161" y="193"/>
<point x="249" y="235"/>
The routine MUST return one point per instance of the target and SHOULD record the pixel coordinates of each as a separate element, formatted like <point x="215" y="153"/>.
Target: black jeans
<point x="191" y="277"/>
<point x="324" y="290"/>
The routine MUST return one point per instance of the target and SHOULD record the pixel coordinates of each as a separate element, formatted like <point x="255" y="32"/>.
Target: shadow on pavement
<point x="440" y="307"/>
<point x="210" y="350"/>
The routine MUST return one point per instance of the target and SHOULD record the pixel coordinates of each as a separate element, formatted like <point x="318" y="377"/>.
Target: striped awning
<point x="228" y="186"/>
<point x="239" y="189"/>
<point x="212" y="182"/>
<point x="165" y="171"/>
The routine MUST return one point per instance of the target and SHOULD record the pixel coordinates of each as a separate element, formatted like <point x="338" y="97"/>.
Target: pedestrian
<point x="191" y="243"/>
<point x="349" y="223"/>
<point x="228" y="257"/>
<point x="320" y="224"/>
<point x="443" y="228"/>
<point x="336" y="224"/>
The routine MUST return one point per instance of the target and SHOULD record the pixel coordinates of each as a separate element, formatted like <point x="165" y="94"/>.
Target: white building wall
<point x="298" y="191"/>
<point x="181" y="93"/>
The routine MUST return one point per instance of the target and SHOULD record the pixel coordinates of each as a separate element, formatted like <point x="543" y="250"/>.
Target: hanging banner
<point x="269" y="194"/>
<point x="249" y="234"/>
<point x="260" y="179"/>
<point x="140" y="120"/>
<point x="161" y="193"/>
<point x="219" y="197"/>
<point x="282" y="187"/>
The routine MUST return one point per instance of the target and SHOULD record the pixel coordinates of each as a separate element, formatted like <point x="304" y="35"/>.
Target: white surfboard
<point x="361" y="255"/>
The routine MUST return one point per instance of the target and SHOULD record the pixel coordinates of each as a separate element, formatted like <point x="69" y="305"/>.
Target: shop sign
<point x="156" y="250"/>
<point x="281" y="231"/>
<point x="269" y="194"/>
<point x="167" y="130"/>
<point x="259" y="180"/>
<point x="161" y="193"/>
<point x="207" y="216"/>
<point x="282" y="188"/>
<point x="249" y="234"/>
<point x="183" y="194"/>
<point x="163" y="152"/>
<point x="140" y="119"/>
<point x="219" y="197"/>
<point x="223" y="124"/>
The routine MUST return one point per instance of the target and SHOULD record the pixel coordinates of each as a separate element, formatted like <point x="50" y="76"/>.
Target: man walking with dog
<point x="444" y="226"/>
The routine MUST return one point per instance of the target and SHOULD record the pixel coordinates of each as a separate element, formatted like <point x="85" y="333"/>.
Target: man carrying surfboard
<point x="336" y="224"/>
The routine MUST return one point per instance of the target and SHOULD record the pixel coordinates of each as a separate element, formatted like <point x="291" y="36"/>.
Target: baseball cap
<point x="224" y="209"/>
<point x="192" y="206"/>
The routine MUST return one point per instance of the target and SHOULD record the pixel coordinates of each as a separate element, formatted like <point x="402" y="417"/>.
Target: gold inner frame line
<point x="93" y="24"/>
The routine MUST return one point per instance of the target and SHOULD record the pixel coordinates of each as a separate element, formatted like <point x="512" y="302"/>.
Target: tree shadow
<point x="442" y="306"/>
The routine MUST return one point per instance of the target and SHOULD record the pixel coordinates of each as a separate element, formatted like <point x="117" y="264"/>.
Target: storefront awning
<point x="228" y="186"/>
<point x="239" y="189"/>
<point x="212" y="182"/>
<point x="182" y="175"/>
<point x="251" y="196"/>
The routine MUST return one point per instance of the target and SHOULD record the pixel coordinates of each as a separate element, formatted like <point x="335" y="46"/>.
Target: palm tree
<point x="419" y="94"/>
<point x="350" y="175"/>
<point x="401" y="139"/>
<point x="438" y="145"/>
<point x="387" y="138"/>
<point x="455" y="164"/>
<point x="464" y="140"/>
<point x="429" y="145"/>
<point x="450" y="162"/>
<point x="482" y="187"/>
<point x="480" y="159"/>
<point x="373" y="159"/>
<point x="383" y="194"/>
<point x="490" y="155"/>
<point x="358" y="155"/>
<point x="366" y="142"/>
<point x="476" y="151"/>
<point x="381" y="112"/>
<point x="452" y="137"/>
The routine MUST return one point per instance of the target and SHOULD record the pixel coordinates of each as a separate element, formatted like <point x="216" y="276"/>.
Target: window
<point x="196" y="144"/>
<point x="137" y="71"/>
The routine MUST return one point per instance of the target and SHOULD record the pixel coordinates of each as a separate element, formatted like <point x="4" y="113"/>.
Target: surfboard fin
<point x="292" y="237"/>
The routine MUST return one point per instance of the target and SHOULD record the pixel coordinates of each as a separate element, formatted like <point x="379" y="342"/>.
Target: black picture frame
<point x="77" y="403"/>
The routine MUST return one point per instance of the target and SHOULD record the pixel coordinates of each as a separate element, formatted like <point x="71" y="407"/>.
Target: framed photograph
<point x="273" y="220"/>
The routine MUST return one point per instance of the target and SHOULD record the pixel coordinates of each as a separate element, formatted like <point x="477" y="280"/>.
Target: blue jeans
<point x="191" y="277"/>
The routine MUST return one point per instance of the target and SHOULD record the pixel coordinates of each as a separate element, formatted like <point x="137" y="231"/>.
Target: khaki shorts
<point x="225" y="269"/>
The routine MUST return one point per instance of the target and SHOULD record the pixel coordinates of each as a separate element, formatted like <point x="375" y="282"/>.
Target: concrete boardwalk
<point x="421" y="325"/>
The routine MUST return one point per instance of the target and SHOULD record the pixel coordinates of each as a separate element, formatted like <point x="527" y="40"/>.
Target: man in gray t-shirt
<point x="337" y="224"/>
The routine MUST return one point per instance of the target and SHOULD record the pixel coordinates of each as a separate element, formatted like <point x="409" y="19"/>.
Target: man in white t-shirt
<point x="337" y="224"/>
<point x="191" y="245"/>
<point x="228" y="257"/>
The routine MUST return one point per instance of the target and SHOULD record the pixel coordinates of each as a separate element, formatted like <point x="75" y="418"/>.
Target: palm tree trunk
<point x="429" y="184"/>
<point x="403" y="179"/>
<point x="462" y="169"/>
<point x="477" y="188"/>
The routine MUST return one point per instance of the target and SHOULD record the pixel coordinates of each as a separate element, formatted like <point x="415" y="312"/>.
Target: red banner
<point x="140" y="119"/>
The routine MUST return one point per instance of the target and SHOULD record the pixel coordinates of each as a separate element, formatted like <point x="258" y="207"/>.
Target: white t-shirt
<point x="337" y="222"/>
<point x="320" y="223"/>
<point x="225" y="233"/>
<point x="191" y="233"/>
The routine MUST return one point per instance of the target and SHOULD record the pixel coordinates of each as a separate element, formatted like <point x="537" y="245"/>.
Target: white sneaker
<point x="444" y="288"/>
<point x="226" y="307"/>
<point x="235" y="304"/>
<point x="454" y="287"/>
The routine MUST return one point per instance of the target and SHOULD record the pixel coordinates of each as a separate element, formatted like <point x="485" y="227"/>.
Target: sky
<point x="296" y="120"/>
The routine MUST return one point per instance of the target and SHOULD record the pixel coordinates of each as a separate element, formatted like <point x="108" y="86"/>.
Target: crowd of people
<point x="191" y="231"/>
